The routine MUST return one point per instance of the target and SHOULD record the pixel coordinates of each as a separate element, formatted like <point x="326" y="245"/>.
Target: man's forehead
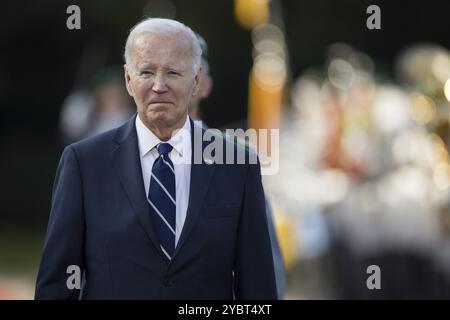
<point x="150" y="50"/>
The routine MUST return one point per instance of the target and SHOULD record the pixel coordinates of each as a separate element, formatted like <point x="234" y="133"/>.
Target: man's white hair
<point x="160" y="25"/>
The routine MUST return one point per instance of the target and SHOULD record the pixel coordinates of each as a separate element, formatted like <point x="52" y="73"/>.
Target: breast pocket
<point x="219" y="211"/>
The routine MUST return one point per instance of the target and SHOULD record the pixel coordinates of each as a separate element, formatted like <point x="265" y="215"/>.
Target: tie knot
<point x="164" y="148"/>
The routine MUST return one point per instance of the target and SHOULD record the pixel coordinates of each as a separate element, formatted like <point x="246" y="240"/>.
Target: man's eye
<point x="146" y="73"/>
<point x="174" y="73"/>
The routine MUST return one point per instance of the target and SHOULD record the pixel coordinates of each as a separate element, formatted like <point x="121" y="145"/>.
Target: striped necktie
<point x="161" y="196"/>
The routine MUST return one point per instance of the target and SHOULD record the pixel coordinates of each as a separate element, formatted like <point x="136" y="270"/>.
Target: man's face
<point x="161" y="78"/>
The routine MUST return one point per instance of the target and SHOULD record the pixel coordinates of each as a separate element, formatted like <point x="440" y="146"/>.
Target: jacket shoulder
<point x="104" y="141"/>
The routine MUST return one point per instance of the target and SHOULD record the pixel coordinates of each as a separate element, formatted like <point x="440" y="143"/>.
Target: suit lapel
<point x="201" y="175"/>
<point x="127" y="162"/>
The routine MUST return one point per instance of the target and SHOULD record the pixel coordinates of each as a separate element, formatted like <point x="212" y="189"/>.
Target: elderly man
<point x="138" y="215"/>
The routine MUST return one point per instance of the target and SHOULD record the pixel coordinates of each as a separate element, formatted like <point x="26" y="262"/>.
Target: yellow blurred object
<point x="423" y="108"/>
<point x="251" y="13"/>
<point x="266" y="85"/>
<point x="286" y="238"/>
<point x="267" y="81"/>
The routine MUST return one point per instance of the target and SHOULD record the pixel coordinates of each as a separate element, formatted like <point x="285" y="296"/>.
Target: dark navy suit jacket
<point x="100" y="221"/>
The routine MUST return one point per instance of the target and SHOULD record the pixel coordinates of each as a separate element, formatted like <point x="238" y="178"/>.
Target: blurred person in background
<point x="86" y="113"/>
<point x="205" y="83"/>
<point x="205" y="87"/>
<point x="373" y="168"/>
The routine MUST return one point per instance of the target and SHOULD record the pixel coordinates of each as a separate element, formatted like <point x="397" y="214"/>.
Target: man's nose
<point x="159" y="84"/>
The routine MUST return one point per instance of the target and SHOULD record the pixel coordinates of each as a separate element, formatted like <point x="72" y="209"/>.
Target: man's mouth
<point x="160" y="102"/>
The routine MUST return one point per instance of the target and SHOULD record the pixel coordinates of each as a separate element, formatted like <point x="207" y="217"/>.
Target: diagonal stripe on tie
<point x="164" y="188"/>
<point x="170" y="166"/>
<point x="162" y="217"/>
<point x="165" y="253"/>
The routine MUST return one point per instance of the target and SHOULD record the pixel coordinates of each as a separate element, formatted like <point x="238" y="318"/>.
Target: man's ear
<point x="197" y="80"/>
<point x="127" y="80"/>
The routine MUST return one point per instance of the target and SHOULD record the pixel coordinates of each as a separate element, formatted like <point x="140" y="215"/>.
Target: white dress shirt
<point x="181" y="158"/>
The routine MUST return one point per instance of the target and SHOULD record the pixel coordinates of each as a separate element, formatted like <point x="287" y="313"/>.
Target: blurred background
<point x="364" y="171"/>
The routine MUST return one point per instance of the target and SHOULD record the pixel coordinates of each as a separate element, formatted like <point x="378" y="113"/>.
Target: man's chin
<point x="160" y="119"/>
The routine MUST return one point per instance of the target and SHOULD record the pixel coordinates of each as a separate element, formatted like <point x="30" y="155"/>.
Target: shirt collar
<point x="147" y="140"/>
